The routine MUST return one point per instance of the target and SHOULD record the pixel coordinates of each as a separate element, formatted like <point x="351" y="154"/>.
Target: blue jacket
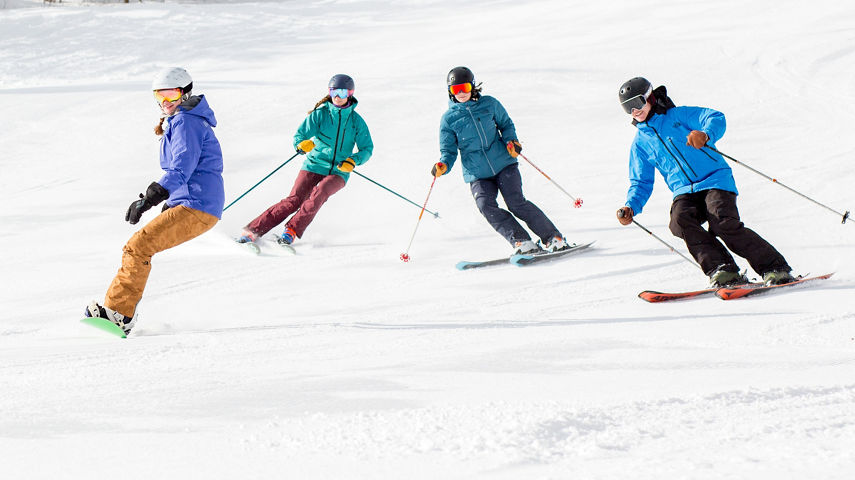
<point x="660" y="144"/>
<point x="192" y="160"/>
<point x="480" y="129"/>
<point x="335" y="132"/>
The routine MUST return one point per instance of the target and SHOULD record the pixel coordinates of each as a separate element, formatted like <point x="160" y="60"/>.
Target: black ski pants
<point x="718" y="208"/>
<point x="509" y="183"/>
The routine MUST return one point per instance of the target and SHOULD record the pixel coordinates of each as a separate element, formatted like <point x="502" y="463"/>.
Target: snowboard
<point x="732" y="293"/>
<point x="104" y="325"/>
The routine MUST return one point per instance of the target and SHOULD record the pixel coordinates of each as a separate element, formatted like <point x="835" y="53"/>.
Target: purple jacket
<point x="192" y="160"/>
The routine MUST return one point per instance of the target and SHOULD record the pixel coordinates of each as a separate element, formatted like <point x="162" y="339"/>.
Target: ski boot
<point x="526" y="247"/>
<point x="725" y="276"/>
<point x="777" y="277"/>
<point x="557" y="243"/>
<point x="287" y="237"/>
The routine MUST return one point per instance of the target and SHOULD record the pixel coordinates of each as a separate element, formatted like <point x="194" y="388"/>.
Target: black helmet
<point x="459" y="75"/>
<point x="341" y="80"/>
<point x="634" y="93"/>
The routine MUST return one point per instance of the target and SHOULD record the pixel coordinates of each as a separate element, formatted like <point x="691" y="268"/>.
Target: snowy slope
<point x="343" y="361"/>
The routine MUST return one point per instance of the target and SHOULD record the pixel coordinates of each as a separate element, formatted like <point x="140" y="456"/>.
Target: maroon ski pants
<point x="309" y="193"/>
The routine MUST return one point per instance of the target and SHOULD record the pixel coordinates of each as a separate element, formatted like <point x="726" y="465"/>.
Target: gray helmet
<point x="634" y="93"/>
<point x="172" y="77"/>
<point x="341" y="80"/>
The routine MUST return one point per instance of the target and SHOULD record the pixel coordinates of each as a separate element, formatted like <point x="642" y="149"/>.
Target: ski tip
<point x="464" y="265"/>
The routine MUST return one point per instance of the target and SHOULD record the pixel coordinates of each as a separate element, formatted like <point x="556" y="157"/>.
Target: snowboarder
<point x="480" y="128"/>
<point x="327" y="137"/>
<point x="671" y="139"/>
<point x="192" y="186"/>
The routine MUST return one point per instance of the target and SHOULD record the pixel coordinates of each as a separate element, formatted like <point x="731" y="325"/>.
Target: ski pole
<point x="263" y="179"/>
<point x="845" y="215"/>
<point x="577" y="202"/>
<point x="663" y="242"/>
<point x="406" y="255"/>
<point x="436" y="215"/>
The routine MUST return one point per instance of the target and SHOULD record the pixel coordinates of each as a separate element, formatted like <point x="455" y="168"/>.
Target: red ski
<point x="656" y="297"/>
<point x="748" y="290"/>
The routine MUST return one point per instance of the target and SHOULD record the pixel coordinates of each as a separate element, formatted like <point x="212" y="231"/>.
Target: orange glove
<point x="697" y="139"/>
<point x="347" y="165"/>
<point x="624" y="215"/>
<point x="514" y="148"/>
<point x="438" y="169"/>
<point x="305" y="146"/>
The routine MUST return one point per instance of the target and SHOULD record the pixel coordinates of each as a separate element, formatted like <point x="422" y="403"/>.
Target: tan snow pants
<point x="172" y="227"/>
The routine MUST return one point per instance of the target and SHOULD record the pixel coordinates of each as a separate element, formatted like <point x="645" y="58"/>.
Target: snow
<point x="343" y="361"/>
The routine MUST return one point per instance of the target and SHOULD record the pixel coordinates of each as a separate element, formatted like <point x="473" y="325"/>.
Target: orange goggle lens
<point x="167" y="95"/>
<point x="460" y="88"/>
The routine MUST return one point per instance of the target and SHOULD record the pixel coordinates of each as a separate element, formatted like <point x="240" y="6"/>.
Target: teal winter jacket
<point x="660" y="144"/>
<point x="479" y="129"/>
<point x="335" y="132"/>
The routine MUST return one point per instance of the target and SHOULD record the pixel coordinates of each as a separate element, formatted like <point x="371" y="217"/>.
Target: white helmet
<point x="173" y="77"/>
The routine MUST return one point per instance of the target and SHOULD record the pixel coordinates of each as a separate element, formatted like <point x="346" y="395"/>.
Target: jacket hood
<point x="453" y="103"/>
<point x="351" y="104"/>
<point x="663" y="103"/>
<point x="197" y="105"/>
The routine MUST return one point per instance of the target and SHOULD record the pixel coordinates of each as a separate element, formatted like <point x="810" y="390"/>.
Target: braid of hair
<point x="321" y="102"/>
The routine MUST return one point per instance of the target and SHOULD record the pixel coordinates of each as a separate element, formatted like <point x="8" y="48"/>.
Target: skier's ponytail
<point x="321" y="102"/>
<point x="158" y="129"/>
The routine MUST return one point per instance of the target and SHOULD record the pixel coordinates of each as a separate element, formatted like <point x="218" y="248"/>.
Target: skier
<point x="336" y="128"/>
<point x="480" y="128"/>
<point x="671" y="139"/>
<point x="192" y="185"/>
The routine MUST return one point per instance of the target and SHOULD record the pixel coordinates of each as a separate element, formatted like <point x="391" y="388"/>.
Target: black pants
<point x="509" y="183"/>
<point x="718" y="208"/>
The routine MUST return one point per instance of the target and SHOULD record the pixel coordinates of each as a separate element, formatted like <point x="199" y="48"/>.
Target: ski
<point x="731" y="293"/>
<point x="656" y="297"/>
<point x="522" y="260"/>
<point x="104" y="325"/>
<point x="255" y="247"/>
<point x="251" y="246"/>
<point x="653" y="296"/>
<point x="466" y="265"/>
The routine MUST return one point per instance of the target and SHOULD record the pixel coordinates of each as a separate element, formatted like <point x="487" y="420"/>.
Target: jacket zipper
<point x="672" y="155"/>
<point x="335" y="148"/>
<point x="482" y="138"/>
<point x="684" y="158"/>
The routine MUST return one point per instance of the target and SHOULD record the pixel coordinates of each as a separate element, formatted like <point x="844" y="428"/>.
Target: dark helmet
<point x="341" y="80"/>
<point x="459" y="75"/>
<point x="634" y="93"/>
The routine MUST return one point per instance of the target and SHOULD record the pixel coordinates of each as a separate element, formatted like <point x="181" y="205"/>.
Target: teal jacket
<point x="480" y="129"/>
<point x="335" y="132"/>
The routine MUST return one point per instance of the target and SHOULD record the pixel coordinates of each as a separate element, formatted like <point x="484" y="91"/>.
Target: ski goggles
<point x="460" y="88"/>
<point x="340" y="93"/>
<point x="167" y="95"/>
<point x="637" y="102"/>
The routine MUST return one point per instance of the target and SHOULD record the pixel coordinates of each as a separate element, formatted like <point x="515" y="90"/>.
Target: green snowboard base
<point x="104" y="325"/>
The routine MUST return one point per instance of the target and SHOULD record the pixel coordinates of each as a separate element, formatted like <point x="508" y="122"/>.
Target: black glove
<point x="154" y="194"/>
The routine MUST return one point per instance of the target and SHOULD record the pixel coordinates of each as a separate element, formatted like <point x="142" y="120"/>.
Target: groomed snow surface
<point x="343" y="362"/>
